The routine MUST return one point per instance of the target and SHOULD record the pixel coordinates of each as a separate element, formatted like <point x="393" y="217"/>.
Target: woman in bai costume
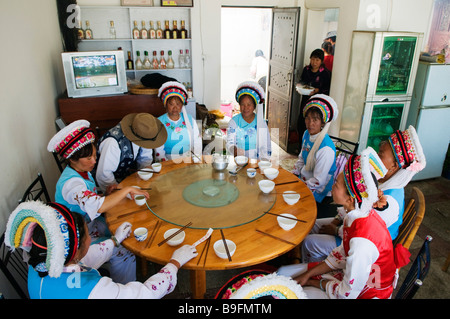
<point x="365" y="265"/>
<point x="76" y="189"/>
<point x="247" y="132"/>
<point x="60" y="253"/>
<point x="183" y="137"/>
<point x="403" y="157"/>
<point x="317" y="159"/>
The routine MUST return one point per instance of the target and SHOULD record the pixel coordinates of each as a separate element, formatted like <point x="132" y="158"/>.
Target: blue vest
<point x="127" y="161"/>
<point x="246" y="133"/>
<point x="67" y="174"/>
<point x="306" y="147"/>
<point x="178" y="140"/>
<point x="399" y="195"/>
<point x="76" y="285"/>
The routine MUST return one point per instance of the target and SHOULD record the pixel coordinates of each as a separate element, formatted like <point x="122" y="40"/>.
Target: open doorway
<point x="245" y="41"/>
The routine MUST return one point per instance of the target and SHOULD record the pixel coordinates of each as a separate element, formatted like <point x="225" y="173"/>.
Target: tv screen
<point x="95" y="71"/>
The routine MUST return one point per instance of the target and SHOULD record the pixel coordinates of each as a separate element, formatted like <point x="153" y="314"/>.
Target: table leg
<point x="198" y="283"/>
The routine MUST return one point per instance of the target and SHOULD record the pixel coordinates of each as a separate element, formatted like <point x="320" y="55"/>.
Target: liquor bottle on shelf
<point x="136" y="33"/>
<point x="187" y="59"/>
<point x="147" y="64"/>
<point x="144" y="32"/>
<point x="88" y="34"/>
<point x="170" y="63"/>
<point x="159" y="31"/>
<point x="181" y="60"/>
<point x="189" y="90"/>
<point x="112" y="30"/>
<point x="167" y="33"/>
<point x="155" y="63"/>
<point x="80" y="31"/>
<point x="130" y="63"/>
<point x="175" y="32"/>
<point x="138" y="61"/>
<point x="162" y="61"/>
<point x="151" y="31"/>
<point x="183" y="31"/>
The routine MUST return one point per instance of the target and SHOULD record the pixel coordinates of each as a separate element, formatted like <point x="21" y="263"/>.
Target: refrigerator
<point x="430" y="114"/>
<point x="379" y="85"/>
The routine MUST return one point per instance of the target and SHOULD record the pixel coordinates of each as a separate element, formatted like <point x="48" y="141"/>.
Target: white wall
<point x="30" y="82"/>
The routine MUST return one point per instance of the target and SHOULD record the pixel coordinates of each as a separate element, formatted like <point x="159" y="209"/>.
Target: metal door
<point x="281" y="73"/>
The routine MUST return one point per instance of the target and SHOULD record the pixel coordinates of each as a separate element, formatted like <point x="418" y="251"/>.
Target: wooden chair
<point x="412" y="218"/>
<point x="36" y="190"/>
<point x="417" y="273"/>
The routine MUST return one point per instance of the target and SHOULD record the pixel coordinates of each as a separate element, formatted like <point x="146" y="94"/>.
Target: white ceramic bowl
<point x="220" y="251"/>
<point x="251" y="172"/>
<point x="266" y="186"/>
<point x="140" y="200"/>
<point x="156" y="167"/>
<point x="286" y="223"/>
<point x="263" y="165"/>
<point x="128" y="195"/>
<point x="271" y="173"/>
<point x="178" y="239"/>
<point x="145" y="175"/>
<point x="140" y="233"/>
<point x="241" y="160"/>
<point x="291" y="197"/>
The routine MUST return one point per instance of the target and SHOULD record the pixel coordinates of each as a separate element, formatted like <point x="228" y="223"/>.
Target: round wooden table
<point x="244" y="219"/>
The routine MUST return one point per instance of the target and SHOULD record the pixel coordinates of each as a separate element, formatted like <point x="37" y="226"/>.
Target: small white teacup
<point x="156" y="167"/>
<point x="140" y="200"/>
<point x="251" y="172"/>
<point x="140" y="233"/>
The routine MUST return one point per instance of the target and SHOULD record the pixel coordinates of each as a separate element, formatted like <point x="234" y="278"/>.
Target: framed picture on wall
<point x="177" y="3"/>
<point x="143" y="3"/>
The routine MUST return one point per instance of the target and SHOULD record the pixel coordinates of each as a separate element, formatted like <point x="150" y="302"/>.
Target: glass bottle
<point x="136" y="33"/>
<point x="112" y="30"/>
<point x="155" y="63"/>
<point x="187" y="59"/>
<point x="80" y="31"/>
<point x="175" y="30"/>
<point x="167" y="32"/>
<point x="138" y="61"/>
<point x="181" y="60"/>
<point x="130" y="63"/>
<point x="162" y="61"/>
<point x="159" y="31"/>
<point x="147" y="64"/>
<point x="151" y="31"/>
<point x="170" y="63"/>
<point x="189" y="90"/>
<point x="183" y="31"/>
<point x="88" y="35"/>
<point x="144" y="32"/>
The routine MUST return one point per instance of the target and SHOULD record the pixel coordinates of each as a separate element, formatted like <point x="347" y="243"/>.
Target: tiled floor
<point x="435" y="223"/>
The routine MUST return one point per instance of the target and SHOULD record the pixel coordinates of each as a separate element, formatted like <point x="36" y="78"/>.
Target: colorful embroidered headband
<point x="358" y="175"/>
<point x="253" y="89"/>
<point x="172" y="88"/>
<point x="325" y="104"/>
<point x="407" y="149"/>
<point x="59" y="227"/>
<point x="71" y="139"/>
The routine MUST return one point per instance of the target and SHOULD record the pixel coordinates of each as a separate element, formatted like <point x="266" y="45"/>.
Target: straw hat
<point x="144" y="130"/>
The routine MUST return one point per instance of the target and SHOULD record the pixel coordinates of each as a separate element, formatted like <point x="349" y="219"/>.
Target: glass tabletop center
<point x="210" y="193"/>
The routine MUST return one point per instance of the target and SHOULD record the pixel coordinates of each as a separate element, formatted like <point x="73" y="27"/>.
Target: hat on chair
<point x="144" y="130"/>
<point x="61" y="233"/>
<point x="172" y="88"/>
<point x="253" y="89"/>
<point x="71" y="139"/>
<point x="358" y="176"/>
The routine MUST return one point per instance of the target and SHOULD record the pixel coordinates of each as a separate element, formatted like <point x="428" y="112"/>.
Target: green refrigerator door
<point x="395" y="65"/>
<point x="385" y="120"/>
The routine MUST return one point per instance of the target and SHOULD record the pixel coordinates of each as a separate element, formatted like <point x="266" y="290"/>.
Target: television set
<point x="94" y="73"/>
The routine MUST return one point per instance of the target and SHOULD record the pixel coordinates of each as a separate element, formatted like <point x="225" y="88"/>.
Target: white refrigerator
<point x="429" y="113"/>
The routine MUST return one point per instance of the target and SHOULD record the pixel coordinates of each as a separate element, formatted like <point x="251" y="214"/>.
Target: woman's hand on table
<point x="183" y="255"/>
<point x="133" y="191"/>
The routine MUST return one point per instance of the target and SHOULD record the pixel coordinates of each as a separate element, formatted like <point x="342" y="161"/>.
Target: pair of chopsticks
<point x="206" y="247"/>
<point x="287" y="183"/>
<point x="153" y="235"/>
<point x="275" y="237"/>
<point x="226" y="246"/>
<point x="144" y="170"/>
<point x="299" y="220"/>
<point x="144" y="189"/>
<point x="134" y="212"/>
<point x="175" y="233"/>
